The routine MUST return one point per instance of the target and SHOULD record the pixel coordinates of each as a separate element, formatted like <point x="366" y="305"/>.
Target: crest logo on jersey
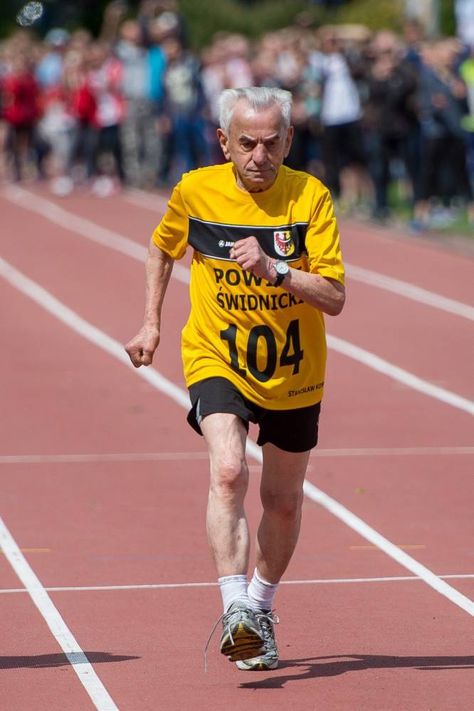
<point x="283" y="243"/>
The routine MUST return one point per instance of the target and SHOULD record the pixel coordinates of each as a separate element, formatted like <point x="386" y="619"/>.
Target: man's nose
<point x="260" y="155"/>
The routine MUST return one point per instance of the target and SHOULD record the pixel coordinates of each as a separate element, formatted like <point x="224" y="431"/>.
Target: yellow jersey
<point x="266" y="341"/>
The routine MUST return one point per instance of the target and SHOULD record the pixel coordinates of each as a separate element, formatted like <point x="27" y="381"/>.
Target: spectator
<point x="413" y="38"/>
<point x="49" y="68"/>
<point x="237" y="63"/>
<point x="467" y="74"/>
<point x="303" y="78"/>
<point x="343" y="155"/>
<point x="82" y="107"/>
<point x="444" y="173"/>
<point x="3" y="125"/>
<point x="263" y="67"/>
<point x="114" y="14"/>
<point x="225" y="65"/>
<point x="105" y="81"/>
<point x="182" y="113"/>
<point x="139" y="132"/>
<point x="57" y="129"/>
<point x="21" y="110"/>
<point x="390" y="119"/>
<point x="164" y="17"/>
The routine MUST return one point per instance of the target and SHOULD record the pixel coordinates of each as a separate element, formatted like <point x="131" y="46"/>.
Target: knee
<point x="285" y="505"/>
<point x="229" y="478"/>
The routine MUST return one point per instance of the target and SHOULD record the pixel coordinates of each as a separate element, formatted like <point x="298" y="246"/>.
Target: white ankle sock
<point x="261" y="593"/>
<point x="233" y="587"/>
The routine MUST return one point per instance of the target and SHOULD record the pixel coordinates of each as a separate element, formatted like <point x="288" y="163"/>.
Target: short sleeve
<point x="171" y="235"/>
<point x="322" y="240"/>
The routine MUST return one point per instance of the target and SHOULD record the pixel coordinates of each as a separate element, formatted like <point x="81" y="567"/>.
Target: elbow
<point x="336" y="305"/>
<point x="334" y="297"/>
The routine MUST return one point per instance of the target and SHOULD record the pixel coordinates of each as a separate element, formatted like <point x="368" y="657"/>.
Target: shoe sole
<point x="245" y="643"/>
<point x="254" y="665"/>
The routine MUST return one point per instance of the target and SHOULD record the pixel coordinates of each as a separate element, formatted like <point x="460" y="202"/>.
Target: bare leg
<point x="281" y="492"/>
<point x="227" y="528"/>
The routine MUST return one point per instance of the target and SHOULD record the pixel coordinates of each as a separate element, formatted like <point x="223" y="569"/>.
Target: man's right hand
<point x="142" y="348"/>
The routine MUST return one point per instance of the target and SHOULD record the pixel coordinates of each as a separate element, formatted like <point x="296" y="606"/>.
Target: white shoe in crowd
<point x="103" y="187"/>
<point x="62" y="186"/>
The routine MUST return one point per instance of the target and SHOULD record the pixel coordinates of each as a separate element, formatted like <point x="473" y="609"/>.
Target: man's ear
<point x="223" y="141"/>
<point x="289" y="139"/>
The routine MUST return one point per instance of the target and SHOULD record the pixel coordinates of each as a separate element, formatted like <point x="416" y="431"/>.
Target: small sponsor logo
<point x="283" y="243"/>
<point x="305" y="389"/>
<point x="223" y="243"/>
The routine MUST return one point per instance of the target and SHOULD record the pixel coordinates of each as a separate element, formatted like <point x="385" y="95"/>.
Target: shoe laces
<point x="225" y="618"/>
<point x="267" y="620"/>
<point x="210" y="637"/>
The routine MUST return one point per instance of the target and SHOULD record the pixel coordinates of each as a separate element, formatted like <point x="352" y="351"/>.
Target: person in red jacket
<point x="21" y="110"/>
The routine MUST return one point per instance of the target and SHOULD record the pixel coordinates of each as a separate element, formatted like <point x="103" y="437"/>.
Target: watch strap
<point x="280" y="276"/>
<point x="279" y="279"/>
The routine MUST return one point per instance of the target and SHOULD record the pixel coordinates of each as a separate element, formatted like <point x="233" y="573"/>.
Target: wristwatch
<point x="282" y="270"/>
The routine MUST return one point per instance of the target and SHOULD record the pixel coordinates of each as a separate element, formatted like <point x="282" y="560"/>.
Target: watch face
<point x="282" y="268"/>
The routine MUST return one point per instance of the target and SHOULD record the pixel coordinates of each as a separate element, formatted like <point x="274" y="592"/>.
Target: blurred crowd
<point x="381" y="118"/>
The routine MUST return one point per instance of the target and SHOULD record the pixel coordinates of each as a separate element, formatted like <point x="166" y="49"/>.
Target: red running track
<point x="103" y="485"/>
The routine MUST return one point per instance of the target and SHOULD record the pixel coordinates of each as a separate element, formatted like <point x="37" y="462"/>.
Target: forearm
<point x="158" y="268"/>
<point x="327" y="295"/>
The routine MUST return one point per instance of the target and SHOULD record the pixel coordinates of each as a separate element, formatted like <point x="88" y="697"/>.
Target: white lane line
<point x="84" y="227"/>
<point x="400" y="374"/>
<point x="60" y="631"/>
<point x="9" y="459"/>
<point x="410" y="291"/>
<point x="86" y="458"/>
<point x="172" y="586"/>
<point x="87" y="330"/>
<point x="370" y="534"/>
<point x="154" y="202"/>
<point x="393" y="451"/>
<point x="114" y="348"/>
<point x="102" y="236"/>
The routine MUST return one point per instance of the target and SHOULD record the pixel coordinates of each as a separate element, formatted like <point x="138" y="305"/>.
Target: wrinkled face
<point x="257" y="144"/>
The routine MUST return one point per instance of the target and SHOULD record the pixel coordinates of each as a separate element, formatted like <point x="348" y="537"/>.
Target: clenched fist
<point x="142" y="347"/>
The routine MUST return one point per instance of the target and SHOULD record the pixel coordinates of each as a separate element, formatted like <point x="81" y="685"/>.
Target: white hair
<point x="258" y="98"/>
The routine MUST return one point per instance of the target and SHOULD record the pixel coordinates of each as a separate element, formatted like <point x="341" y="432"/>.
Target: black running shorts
<point x="291" y="430"/>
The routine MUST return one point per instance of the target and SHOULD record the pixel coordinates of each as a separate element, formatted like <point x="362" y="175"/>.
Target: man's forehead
<point x="257" y="135"/>
<point x="251" y="122"/>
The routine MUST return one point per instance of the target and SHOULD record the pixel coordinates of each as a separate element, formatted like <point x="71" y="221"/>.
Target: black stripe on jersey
<point x="214" y="239"/>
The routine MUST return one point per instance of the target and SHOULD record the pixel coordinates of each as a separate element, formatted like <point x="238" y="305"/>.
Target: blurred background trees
<point x="206" y="17"/>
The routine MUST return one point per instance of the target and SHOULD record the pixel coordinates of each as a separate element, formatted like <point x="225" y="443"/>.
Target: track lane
<point x="103" y="622"/>
<point x="396" y="254"/>
<point x="359" y="526"/>
<point x="35" y="671"/>
<point x="436" y="346"/>
<point x="458" y="429"/>
<point x="421" y="516"/>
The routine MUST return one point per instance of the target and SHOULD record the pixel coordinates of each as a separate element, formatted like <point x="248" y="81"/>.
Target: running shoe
<point x="242" y="636"/>
<point x="269" y="658"/>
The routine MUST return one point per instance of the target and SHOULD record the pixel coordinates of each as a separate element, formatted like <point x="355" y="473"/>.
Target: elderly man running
<point x="266" y="266"/>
